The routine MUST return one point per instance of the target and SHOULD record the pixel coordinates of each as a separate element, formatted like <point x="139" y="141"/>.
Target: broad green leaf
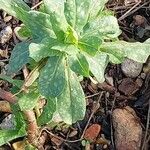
<point x="67" y="48"/>
<point x="97" y="65"/>
<point x="29" y="100"/>
<point x="56" y="10"/>
<point x="17" y="83"/>
<point x="96" y="7"/>
<point x="48" y="111"/>
<point x="19" y="57"/>
<point x="77" y="12"/>
<point x="40" y="26"/>
<point x="19" y="131"/>
<point x="19" y="117"/>
<point x="105" y="26"/>
<point x="52" y="77"/>
<point x="136" y="51"/>
<point x="116" y="55"/>
<point x="71" y="104"/>
<point x="8" y="135"/>
<point x="79" y="64"/>
<point x="90" y="44"/>
<point x="43" y="49"/>
<point x="10" y="7"/>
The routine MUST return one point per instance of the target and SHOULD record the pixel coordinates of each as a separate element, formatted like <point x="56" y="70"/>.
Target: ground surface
<point x="118" y="95"/>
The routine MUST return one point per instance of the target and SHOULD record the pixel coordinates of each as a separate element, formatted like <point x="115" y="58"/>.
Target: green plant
<point x="66" y="38"/>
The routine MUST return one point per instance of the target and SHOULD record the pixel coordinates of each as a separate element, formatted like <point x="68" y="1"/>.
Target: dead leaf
<point x="128" y="86"/>
<point x="20" y="145"/>
<point x="128" y="131"/>
<point x="92" y="132"/>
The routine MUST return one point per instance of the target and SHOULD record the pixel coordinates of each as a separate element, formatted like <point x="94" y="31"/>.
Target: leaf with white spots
<point x="48" y="111"/>
<point x="19" y="57"/>
<point x="52" y="78"/>
<point x="10" y="7"/>
<point x="19" y="126"/>
<point x="79" y="64"/>
<point x="28" y="101"/>
<point x="43" y="49"/>
<point x="103" y="26"/>
<point x="76" y="12"/>
<point x="56" y="10"/>
<point x="90" y="44"/>
<point x="71" y="104"/>
<point x="67" y="48"/>
<point x="96" y="8"/>
<point x="136" y="51"/>
<point x="40" y="26"/>
<point x="97" y="65"/>
<point x="116" y="55"/>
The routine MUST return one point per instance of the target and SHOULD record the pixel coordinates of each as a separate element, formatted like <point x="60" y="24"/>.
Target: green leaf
<point x="79" y="64"/>
<point x="67" y="48"/>
<point x="90" y="44"/>
<point x="71" y="104"/>
<point x="52" y="77"/>
<point x="96" y="7"/>
<point x="48" y="111"/>
<point x="76" y="12"/>
<point x="17" y="83"/>
<point x="116" y="55"/>
<point x="8" y="135"/>
<point x="10" y="7"/>
<point x="19" y="57"/>
<point x="40" y="26"/>
<point x="19" y="131"/>
<point x="136" y="51"/>
<point x="29" y="100"/>
<point x="97" y="65"/>
<point x="56" y="10"/>
<point x="105" y="26"/>
<point x="43" y="49"/>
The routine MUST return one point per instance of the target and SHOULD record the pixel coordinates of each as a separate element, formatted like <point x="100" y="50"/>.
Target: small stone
<point x="109" y="80"/>
<point x="131" y="68"/>
<point x="7" y="18"/>
<point x="5" y="35"/>
<point x="8" y="122"/>
<point x="143" y="75"/>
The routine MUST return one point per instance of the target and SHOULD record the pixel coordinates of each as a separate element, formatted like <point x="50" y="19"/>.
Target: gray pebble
<point x="131" y="68"/>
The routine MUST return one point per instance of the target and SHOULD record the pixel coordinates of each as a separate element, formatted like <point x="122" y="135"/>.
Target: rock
<point x="5" y="35"/>
<point x="92" y="132"/>
<point x="7" y="18"/>
<point x="131" y="68"/>
<point x="8" y="122"/>
<point x="128" y="131"/>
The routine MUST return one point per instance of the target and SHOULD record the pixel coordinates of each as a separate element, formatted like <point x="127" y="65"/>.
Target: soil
<point x="111" y="95"/>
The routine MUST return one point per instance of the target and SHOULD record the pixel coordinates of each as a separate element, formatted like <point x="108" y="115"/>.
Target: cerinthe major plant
<point x="66" y="38"/>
